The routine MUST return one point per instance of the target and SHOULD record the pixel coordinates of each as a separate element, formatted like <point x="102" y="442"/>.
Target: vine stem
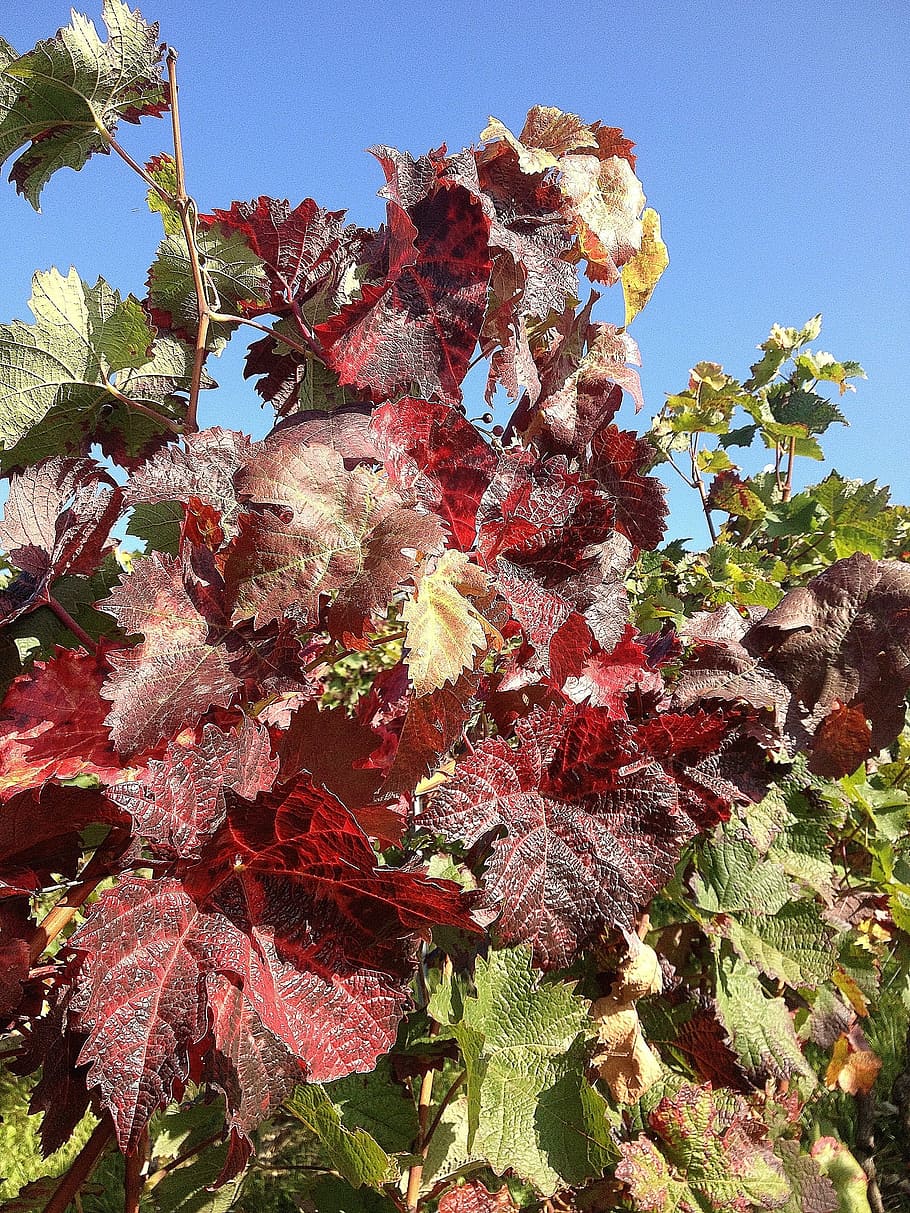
<point x="424" y="1131"/>
<point x="787" y="491"/>
<point x="132" y="1183"/>
<point x="184" y="204"/>
<point x="69" y="622"/>
<point x="124" y="155"/>
<point x="85" y="1163"/>
<point x="230" y="318"/>
<point x="155" y="1179"/>
<point x="67" y="907"/>
<point x="698" y="484"/>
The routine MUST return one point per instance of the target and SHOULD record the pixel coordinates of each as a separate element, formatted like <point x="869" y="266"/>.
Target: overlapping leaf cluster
<point x="265" y="871"/>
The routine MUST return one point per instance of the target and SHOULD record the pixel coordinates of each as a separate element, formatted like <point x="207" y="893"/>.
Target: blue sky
<point x="772" y="138"/>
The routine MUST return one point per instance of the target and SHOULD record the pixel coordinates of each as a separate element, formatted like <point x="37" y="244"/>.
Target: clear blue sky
<point x="772" y="138"/>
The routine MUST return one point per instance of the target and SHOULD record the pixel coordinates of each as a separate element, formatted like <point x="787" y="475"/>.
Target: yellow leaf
<point x="444" y="629"/>
<point x="642" y="273"/>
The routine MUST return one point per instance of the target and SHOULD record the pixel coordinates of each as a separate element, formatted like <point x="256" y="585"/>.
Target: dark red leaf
<point x="421" y="323"/>
<point x="844" y="639"/>
<point x="301" y="249"/>
<point x="570" y="862"/>
<point x="54" y="724"/>
<point x="57" y="520"/>
<point x="431" y="450"/>
<point x="639" y="502"/>
<point x="313" y="744"/>
<point x="181" y="801"/>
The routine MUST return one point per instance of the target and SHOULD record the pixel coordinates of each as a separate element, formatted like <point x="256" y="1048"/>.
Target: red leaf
<point x="341" y="532"/>
<point x="844" y="639"/>
<point x="432" y="451"/>
<point x="607" y="677"/>
<point x="475" y="1197"/>
<point x="301" y="249"/>
<point x="288" y="903"/>
<point x="182" y="800"/>
<point x="639" y="502"/>
<point x="176" y="673"/>
<point x="313" y="744"/>
<point x="40" y="836"/>
<point x="57" y="520"/>
<point x="54" y="724"/>
<point x="568" y="865"/>
<point x="421" y="323"/>
<point x="538" y="513"/>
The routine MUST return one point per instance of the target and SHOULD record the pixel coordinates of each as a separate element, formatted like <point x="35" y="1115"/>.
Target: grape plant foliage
<point x="390" y="818"/>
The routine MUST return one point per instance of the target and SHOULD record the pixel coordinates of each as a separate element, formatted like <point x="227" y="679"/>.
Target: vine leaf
<point x="287" y="905"/>
<point x="584" y="846"/>
<point x="57" y="520"/>
<point x="420" y="323"/>
<point x="305" y="251"/>
<point x="760" y="1029"/>
<point x="431" y="450"/>
<point x="445" y="630"/>
<point x="234" y="275"/>
<point x="67" y="96"/>
<point x="356" y="1155"/>
<point x="641" y="275"/>
<point x="709" y="1154"/>
<point x="54" y="724"/>
<point x="530" y="1107"/>
<point x="843" y="640"/>
<point x="82" y="338"/>
<point x="182" y="800"/>
<point x="176" y="673"/>
<point x="339" y="532"/>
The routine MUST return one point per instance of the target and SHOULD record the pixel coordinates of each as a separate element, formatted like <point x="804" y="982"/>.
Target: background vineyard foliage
<point x="341" y="792"/>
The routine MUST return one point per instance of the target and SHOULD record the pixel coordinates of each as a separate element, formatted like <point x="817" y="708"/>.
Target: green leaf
<point x="188" y="1189"/>
<point x="66" y="97"/>
<point x="530" y="1106"/>
<point x="857" y="512"/>
<point x="355" y="1155"/>
<point x="163" y="170"/>
<point x="63" y="380"/>
<point x="158" y="524"/>
<point x="732" y="876"/>
<point x="20" y="1148"/>
<point x="335" y="1196"/>
<point x="759" y="1027"/>
<point x="234" y="277"/>
<point x="379" y="1105"/>
<point x="792" y="944"/>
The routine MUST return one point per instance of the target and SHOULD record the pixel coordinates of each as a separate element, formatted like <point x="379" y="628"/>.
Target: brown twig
<point x="444" y="1103"/>
<point x="865" y="1142"/>
<point x="154" y="1180"/>
<point x="184" y="205"/>
<point x="698" y="484"/>
<point x="124" y="155"/>
<point x="67" y="907"/>
<point x="85" y="1163"/>
<point x="787" y="490"/>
